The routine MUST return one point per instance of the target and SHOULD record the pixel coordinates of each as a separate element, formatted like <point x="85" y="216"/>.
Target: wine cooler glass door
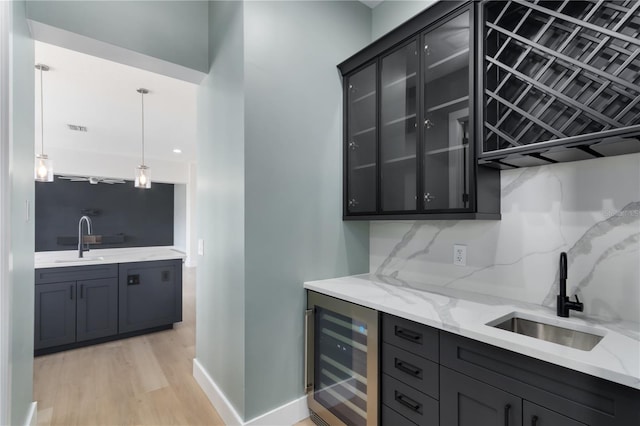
<point x="345" y="365"/>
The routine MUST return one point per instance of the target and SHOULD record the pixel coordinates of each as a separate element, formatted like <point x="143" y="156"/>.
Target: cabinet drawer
<point x="411" y="369"/>
<point x="417" y="338"/>
<point x="391" y="418"/>
<point x="75" y="273"/>
<point x="410" y="403"/>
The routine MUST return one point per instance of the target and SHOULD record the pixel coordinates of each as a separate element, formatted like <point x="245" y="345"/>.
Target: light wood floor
<point x="145" y="380"/>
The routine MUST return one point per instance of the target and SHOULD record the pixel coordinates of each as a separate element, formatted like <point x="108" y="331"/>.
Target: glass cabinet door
<point x="340" y="370"/>
<point x="445" y="143"/>
<point x="398" y="131"/>
<point x="361" y="141"/>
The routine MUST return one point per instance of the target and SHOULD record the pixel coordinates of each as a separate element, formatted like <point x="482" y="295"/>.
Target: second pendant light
<point x="143" y="179"/>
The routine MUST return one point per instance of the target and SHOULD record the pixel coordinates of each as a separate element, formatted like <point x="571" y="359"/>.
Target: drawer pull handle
<point x="408" y="402"/>
<point x="534" y="420"/>
<point x="507" y="412"/>
<point x="408" y="368"/>
<point x="409" y="335"/>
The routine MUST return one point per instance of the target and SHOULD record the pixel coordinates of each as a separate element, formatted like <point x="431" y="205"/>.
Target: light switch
<point x="200" y="247"/>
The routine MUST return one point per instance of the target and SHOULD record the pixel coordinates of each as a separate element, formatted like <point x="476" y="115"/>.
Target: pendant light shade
<point x="143" y="179"/>
<point x="43" y="168"/>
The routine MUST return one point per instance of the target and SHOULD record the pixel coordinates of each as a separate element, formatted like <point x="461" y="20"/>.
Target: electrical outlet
<point x="201" y="247"/>
<point x="460" y="255"/>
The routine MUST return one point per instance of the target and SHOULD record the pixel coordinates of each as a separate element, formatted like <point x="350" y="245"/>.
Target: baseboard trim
<point x="220" y="402"/>
<point x="32" y="416"/>
<point x="287" y="414"/>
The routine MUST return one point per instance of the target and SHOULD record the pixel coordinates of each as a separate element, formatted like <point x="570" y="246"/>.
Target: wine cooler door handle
<point x="308" y="322"/>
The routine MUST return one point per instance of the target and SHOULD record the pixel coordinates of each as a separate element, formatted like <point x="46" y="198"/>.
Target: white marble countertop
<point x="616" y="357"/>
<point x="66" y="258"/>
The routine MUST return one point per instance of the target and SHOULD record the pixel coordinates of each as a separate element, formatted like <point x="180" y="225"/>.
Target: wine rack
<point x="562" y="81"/>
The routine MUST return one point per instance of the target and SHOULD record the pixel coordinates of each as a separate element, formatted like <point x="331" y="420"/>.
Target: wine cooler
<point x="341" y="362"/>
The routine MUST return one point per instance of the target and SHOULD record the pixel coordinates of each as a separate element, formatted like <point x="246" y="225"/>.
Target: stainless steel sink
<point x="576" y="339"/>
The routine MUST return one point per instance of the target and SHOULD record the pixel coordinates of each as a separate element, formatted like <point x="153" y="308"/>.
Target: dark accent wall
<point x="125" y="216"/>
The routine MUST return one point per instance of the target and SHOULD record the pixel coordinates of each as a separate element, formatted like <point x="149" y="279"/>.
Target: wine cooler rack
<point x="562" y="81"/>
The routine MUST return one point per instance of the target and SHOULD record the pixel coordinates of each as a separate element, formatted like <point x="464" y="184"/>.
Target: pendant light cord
<point x="142" y="94"/>
<point x="41" y="117"/>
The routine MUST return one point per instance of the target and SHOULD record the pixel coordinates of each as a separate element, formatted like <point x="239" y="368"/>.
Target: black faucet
<point x="564" y="304"/>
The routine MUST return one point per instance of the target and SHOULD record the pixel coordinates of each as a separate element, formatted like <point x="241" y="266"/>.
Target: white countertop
<point x="616" y="357"/>
<point x="66" y="258"/>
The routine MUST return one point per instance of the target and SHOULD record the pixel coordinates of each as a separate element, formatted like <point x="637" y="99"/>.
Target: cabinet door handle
<point x="81" y="291"/>
<point x="408" y="368"/>
<point x="534" y="420"/>
<point x="428" y="197"/>
<point x="308" y="320"/>
<point x="408" y="402"/>
<point x="507" y="412"/>
<point x="71" y="292"/>
<point x="429" y="124"/>
<point x="409" y="335"/>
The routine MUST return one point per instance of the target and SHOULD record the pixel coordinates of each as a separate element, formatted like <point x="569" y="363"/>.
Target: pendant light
<point x="143" y="179"/>
<point x="43" y="170"/>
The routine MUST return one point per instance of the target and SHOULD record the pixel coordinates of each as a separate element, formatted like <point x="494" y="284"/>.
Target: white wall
<point x="391" y="13"/>
<point x="180" y="217"/>
<point x="590" y="209"/>
<point x="167" y="37"/>
<point x="21" y="230"/>
<point x="115" y="166"/>
<point x="192" y="219"/>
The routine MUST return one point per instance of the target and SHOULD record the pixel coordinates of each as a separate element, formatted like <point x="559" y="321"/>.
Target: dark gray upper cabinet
<point x="562" y="81"/>
<point x="150" y="294"/>
<point x="409" y="149"/>
<point x="362" y="108"/>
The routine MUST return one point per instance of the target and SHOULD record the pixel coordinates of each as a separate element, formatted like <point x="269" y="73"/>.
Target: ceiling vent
<point x="77" y="128"/>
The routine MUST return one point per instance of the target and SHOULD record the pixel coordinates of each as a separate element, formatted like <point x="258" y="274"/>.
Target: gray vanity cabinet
<point x="468" y="402"/>
<point x="410" y="388"/>
<point x="487" y="378"/>
<point x="150" y="294"/>
<point x="55" y="320"/>
<point x="75" y="304"/>
<point x="96" y="308"/>
<point x="535" y="415"/>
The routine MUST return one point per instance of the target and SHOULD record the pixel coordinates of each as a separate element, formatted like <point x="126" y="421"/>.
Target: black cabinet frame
<point x="484" y="182"/>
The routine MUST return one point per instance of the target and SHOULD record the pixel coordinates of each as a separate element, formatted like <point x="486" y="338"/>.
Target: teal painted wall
<point x="390" y="14"/>
<point x="22" y="231"/>
<point x="293" y="181"/>
<point x="220" y="293"/>
<point x="175" y="31"/>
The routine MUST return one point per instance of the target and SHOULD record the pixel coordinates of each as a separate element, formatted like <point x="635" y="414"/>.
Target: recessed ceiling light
<point x="177" y="151"/>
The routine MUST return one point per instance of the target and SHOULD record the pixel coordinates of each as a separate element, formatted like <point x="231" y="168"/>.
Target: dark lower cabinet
<point x="97" y="309"/>
<point x="150" y="294"/>
<point x="83" y="305"/>
<point x="75" y="311"/>
<point x="468" y="402"/>
<point x="535" y="415"/>
<point x="55" y="314"/>
<point x="432" y="377"/>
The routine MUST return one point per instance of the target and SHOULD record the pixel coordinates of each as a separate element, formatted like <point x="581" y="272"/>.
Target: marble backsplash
<point x="590" y="209"/>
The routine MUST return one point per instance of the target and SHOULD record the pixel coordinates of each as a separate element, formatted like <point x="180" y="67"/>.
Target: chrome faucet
<point x="564" y="305"/>
<point x="81" y="247"/>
